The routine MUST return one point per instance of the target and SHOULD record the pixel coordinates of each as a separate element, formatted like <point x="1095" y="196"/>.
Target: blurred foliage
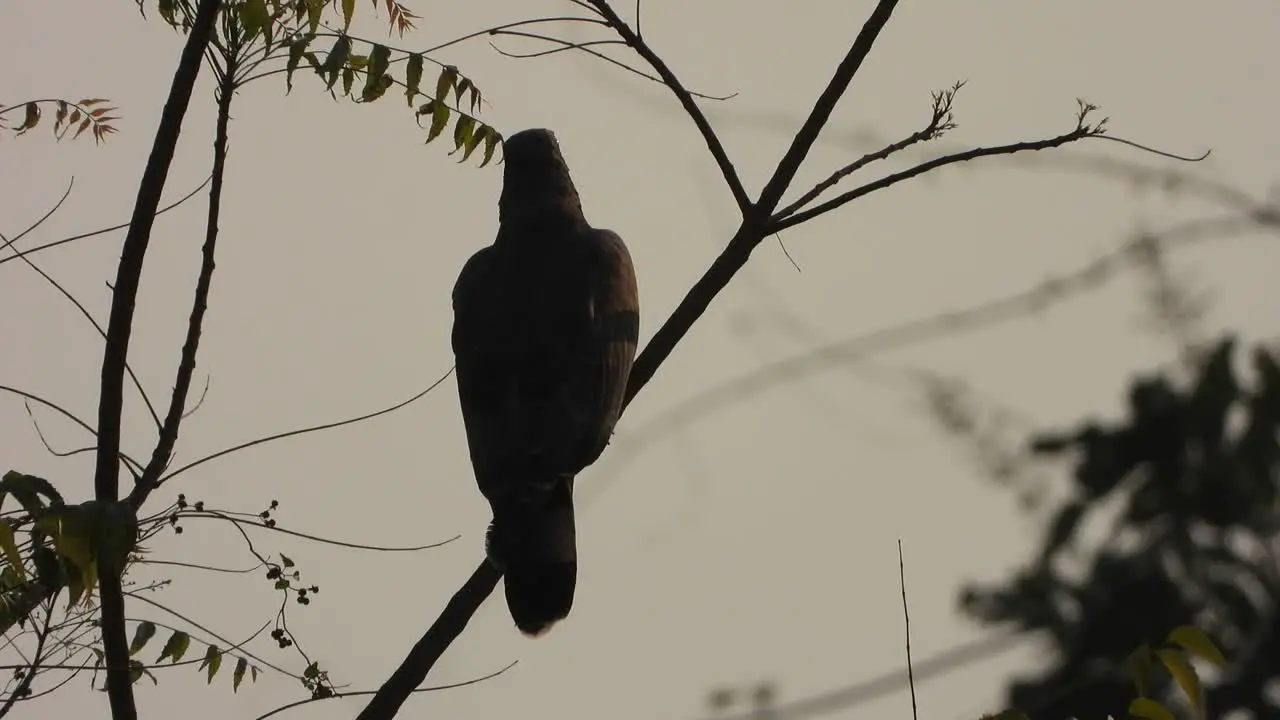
<point x="1188" y="482"/>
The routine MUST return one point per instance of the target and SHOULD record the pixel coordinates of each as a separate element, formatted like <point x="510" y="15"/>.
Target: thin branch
<point x="684" y="97"/>
<point x="939" y="122"/>
<point x="360" y="693"/>
<point x="214" y="514"/>
<point x="44" y="218"/>
<point x="586" y="48"/>
<point x="101" y="231"/>
<point x="24" y="687"/>
<point x="301" y="431"/>
<point x="134" y="467"/>
<point x="200" y="302"/>
<point x="790" y="163"/>
<point x="452" y="621"/>
<point x="119" y="328"/>
<point x="906" y="619"/>
<point x="137" y="384"/>
<point x="1081" y="132"/>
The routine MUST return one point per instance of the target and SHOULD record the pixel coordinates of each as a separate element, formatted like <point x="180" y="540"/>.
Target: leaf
<point x="137" y="670"/>
<point x="312" y="672"/>
<point x="296" y="49"/>
<point x="10" y="549"/>
<point x="1150" y="709"/>
<point x="212" y="660"/>
<point x="84" y="125"/>
<point x="461" y="88"/>
<point x="348" y="79"/>
<point x="1139" y="664"/>
<point x="474" y="141"/>
<point x="238" y="675"/>
<point x="254" y="18"/>
<point x="413" y="77"/>
<point x="334" y="61"/>
<point x="1186" y="676"/>
<point x="141" y="634"/>
<point x="348" y="10"/>
<point x="462" y="130"/>
<point x="253" y="673"/>
<point x="1198" y="644"/>
<point x="70" y="530"/>
<point x="491" y="140"/>
<point x="375" y="81"/>
<point x="284" y="560"/>
<point x="28" y="489"/>
<point x="439" y="119"/>
<point x="282" y="584"/>
<point x="61" y="116"/>
<point x="30" y="119"/>
<point x="176" y="647"/>
<point x="448" y="76"/>
<point x="314" y="10"/>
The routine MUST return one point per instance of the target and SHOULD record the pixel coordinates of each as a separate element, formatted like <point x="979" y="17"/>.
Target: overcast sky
<point x="754" y="543"/>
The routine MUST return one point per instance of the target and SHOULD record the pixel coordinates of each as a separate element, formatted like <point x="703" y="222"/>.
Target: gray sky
<point x="757" y="543"/>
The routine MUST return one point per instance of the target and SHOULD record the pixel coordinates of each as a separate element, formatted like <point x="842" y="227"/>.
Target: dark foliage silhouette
<point x="1190" y="476"/>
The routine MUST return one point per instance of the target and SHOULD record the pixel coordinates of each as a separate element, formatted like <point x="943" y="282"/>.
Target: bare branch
<point x="1081" y="131"/>
<point x="102" y="231"/>
<point x="684" y="96"/>
<point x="940" y="122"/>
<point x="789" y="165"/>
<point x="302" y="431"/>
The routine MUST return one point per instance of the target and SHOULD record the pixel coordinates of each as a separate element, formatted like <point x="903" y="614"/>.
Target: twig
<point x="24" y="686"/>
<point x="119" y="329"/>
<point x="906" y="619"/>
<point x="1081" y="132"/>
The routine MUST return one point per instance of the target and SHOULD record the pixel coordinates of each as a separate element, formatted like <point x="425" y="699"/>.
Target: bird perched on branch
<point x="545" y="326"/>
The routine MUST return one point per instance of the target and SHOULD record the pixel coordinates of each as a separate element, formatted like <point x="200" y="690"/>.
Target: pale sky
<point x="757" y="543"/>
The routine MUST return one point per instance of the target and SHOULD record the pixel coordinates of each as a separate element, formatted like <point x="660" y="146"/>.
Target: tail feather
<point x="532" y="540"/>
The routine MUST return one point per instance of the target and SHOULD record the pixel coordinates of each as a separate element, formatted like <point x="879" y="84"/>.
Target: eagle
<point x="546" y="321"/>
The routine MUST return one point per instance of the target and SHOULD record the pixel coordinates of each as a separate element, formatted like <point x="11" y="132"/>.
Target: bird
<point x="546" y="322"/>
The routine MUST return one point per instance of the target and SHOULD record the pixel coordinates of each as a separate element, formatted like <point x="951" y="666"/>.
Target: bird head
<point x="536" y="186"/>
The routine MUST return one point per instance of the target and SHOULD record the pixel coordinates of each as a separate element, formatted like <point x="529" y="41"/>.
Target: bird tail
<point x="533" y="540"/>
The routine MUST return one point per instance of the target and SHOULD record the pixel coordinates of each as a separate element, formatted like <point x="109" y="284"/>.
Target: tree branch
<point x="1082" y="131"/>
<point x="822" y="109"/>
<point x="119" y="328"/>
<point x="684" y="96"/>
<point x="150" y="479"/>
<point x="413" y="671"/>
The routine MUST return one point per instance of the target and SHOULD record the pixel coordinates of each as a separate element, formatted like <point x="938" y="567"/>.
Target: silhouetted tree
<point x="1190" y="477"/>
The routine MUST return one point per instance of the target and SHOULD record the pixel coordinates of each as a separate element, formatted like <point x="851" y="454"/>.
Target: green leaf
<point x="348" y="79"/>
<point x="1186" y="676"/>
<point x="253" y="673"/>
<point x="413" y="77"/>
<point x="282" y="584"/>
<point x="315" y="8"/>
<point x="296" y="49"/>
<point x="462" y="130"/>
<point x="439" y="119"/>
<point x="377" y="91"/>
<point x="461" y="88"/>
<point x="334" y="61"/>
<point x="285" y="561"/>
<point x="141" y="634"/>
<point x="448" y="76"/>
<point x="9" y="546"/>
<point x="254" y="18"/>
<point x="491" y="140"/>
<point x="1139" y="664"/>
<point x="70" y="529"/>
<point x="137" y="670"/>
<point x="474" y="141"/>
<point x="1150" y="709"/>
<point x="348" y="10"/>
<point x="28" y="488"/>
<point x="238" y="675"/>
<point x="1198" y="644"/>
<point x="176" y="647"/>
<point x="379" y="62"/>
<point x="312" y="672"/>
<point x="212" y="660"/>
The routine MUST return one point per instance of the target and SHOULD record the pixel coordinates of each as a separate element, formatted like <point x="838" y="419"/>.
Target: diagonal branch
<point x="119" y="328"/>
<point x="789" y="165"/>
<point x="684" y="96"/>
